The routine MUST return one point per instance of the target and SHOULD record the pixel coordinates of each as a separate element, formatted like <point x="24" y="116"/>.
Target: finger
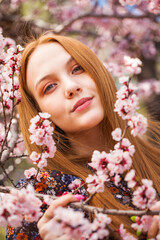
<point x="154" y="228"/>
<point x="156" y="206"/>
<point x="61" y="201"/>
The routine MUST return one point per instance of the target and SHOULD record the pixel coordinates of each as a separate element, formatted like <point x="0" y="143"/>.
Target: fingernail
<point x="79" y="197"/>
<point x="65" y="193"/>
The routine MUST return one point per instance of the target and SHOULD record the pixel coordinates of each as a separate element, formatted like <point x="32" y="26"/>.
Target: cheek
<point x="55" y="110"/>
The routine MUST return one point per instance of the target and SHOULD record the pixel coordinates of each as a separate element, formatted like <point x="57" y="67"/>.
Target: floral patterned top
<point x="56" y="183"/>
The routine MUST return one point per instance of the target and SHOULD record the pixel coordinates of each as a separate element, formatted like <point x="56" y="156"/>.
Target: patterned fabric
<point x="56" y="183"/>
<point x="121" y="193"/>
<point x="53" y="183"/>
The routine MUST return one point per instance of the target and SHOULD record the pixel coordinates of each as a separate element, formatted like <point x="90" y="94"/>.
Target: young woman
<point x="61" y="76"/>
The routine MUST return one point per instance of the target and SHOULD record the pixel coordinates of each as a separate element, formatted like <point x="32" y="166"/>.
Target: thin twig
<point x="6" y="174"/>
<point x="12" y="142"/>
<point x="4" y="113"/>
<point x="6" y="135"/>
<point x="77" y="189"/>
<point x="89" y="199"/>
<point x="19" y="156"/>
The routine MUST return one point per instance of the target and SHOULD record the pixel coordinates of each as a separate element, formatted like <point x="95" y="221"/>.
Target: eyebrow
<point x="50" y="75"/>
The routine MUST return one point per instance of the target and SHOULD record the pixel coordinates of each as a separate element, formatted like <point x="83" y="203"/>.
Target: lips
<point x="81" y="102"/>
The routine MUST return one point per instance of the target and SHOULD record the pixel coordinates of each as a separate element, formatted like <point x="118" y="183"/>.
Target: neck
<point x="85" y="142"/>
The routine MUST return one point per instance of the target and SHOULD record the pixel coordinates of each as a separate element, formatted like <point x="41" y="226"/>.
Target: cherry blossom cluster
<point x="145" y="195"/>
<point x="110" y="166"/>
<point x="10" y="60"/>
<point x="19" y="205"/>
<point x="76" y="226"/>
<point x="42" y="135"/>
<point x="126" y="106"/>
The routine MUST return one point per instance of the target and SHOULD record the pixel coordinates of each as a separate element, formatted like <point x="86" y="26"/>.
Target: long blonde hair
<point x="145" y="160"/>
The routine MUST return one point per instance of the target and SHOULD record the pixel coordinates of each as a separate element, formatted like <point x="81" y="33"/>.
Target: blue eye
<point x="49" y="87"/>
<point x="77" y="68"/>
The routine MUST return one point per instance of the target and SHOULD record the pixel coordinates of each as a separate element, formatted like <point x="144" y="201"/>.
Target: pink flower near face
<point x="35" y="120"/>
<point x="117" y="134"/>
<point x="44" y="115"/>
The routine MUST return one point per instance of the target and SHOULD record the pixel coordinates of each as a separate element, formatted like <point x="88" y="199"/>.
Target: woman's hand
<point x="154" y="229"/>
<point x="45" y="224"/>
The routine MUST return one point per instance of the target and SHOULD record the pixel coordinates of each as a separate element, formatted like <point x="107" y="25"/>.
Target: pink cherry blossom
<point x="42" y="134"/>
<point x="124" y="235"/>
<point x="42" y="163"/>
<point x="138" y="124"/>
<point x="117" y="134"/>
<point x="44" y="115"/>
<point x="126" y="107"/>
<point x="145" y="195"/>
<point x="143" y="224"/>
<point x="71" y="223"/>
<point x="34" y="156"/>
<point x="30" y="172"/>
<point x="19" y="205"/>
<point x="119" y="162"/>
<point x="125" y="145"/>
<point x="124" y="80"/>
<point x="99" y="161"/>
<point x="75" y="226"/>
<point x="133" y="65"/>
<point x="130" y="179"/>
<point x="75" y="184"/>
<point x="96" y="182"/>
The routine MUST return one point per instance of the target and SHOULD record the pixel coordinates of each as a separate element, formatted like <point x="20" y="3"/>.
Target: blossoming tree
<point x="129" y="27"/>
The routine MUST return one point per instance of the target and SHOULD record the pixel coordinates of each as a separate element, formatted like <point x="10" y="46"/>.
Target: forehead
<point x="46" y="58"/>
<point x="46" y="51"/>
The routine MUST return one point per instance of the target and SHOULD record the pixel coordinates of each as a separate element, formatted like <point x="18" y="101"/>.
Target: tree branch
<point x="92" y="209"/>
<point x="12" y="142"/>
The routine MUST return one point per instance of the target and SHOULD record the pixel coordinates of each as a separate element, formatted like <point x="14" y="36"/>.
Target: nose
<point x="71" y="89"/>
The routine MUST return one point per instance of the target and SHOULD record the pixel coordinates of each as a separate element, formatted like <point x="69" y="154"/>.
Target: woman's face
<point x="63" y="89"/>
